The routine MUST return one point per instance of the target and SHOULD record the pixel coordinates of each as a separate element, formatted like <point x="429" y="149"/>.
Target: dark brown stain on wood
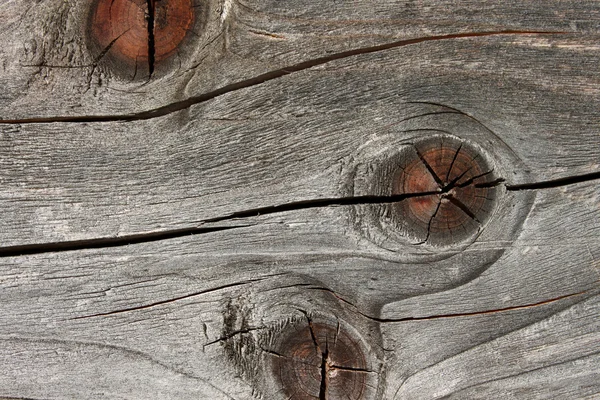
<point x="458" y="176"/>
<point x="321" y="361"/>
<point x="142" y="31"/>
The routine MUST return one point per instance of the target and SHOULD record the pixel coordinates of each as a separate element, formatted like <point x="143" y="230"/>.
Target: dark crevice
<point x="430" y="169"/>
<point x="100" y="243"/>
<point x="324" y="356"/>
<point x="268" y="76"/>
<point x="234" y="334"/>
<point x="463" y="207"/>
<point x="437" y="208"/>
<point x="454" y="183"/>
<point x="18" y="250"/>
<point x="474" y="313"/>
<point x="174" y="299"/>
<point x="274" y="353"/>
<point x="554" y="183"/>
<point x="324" y="374"/>
<point x="334" y="294"/>
<point x="151" y="43"/>
<point x="490" y="184"/>
<point x="312" y="332"/>
<point x="473" y="179"/>
<point x="452" y="163"/>
<point x="305" y="204"/>
<point x="107" y="48"/>
<point x="467" y="314"/>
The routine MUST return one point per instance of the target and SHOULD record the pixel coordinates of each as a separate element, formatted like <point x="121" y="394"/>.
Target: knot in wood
<point x="319" y="361"/>
<point x="453" y="188"/>
<point x="141" y="30"/>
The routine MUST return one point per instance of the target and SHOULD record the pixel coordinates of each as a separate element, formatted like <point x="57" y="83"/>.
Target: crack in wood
<point x="454" y="183"/>
<point x="318" y="203"/>
<point x="463" y="207"/>
<point x="171" y="300"/>
<point x="474" y="313"/>
<point x="437" y="208"/>
<point x="467" y="314"/>
<point x="324" y="373"/>
<point x="19" y="250"/>
<point x="471" y="180"/>
<point x="265" y="77"/>
<point x="234" y="334"/>
<point x="311" y="330"/>
<point x="452" y="166"/>
<point x="554" y="183"/>
<point x="151" y="41"/>
<point x="273" y="353"/>
<point x="430" y="169"/>
<point x="99" y="243"/>
<point x="490" y="184"/>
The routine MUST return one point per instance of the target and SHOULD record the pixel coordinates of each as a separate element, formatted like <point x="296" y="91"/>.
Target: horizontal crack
<point x="234" y="334"/>
<point x="554" y="183"/>
<point x="317" y="203"/>
<point x="352" y="369"/>
<point x="174" y="299"/>
<point x="484" y="312"/>
<point x="18" y="250"/>
<point x="454" y="315"/>
<point x="100" y="243"/>
<point x="268" y="76"/>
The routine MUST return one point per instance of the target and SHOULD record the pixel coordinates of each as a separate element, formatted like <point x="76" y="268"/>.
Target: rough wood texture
<point x="229" y="228"/>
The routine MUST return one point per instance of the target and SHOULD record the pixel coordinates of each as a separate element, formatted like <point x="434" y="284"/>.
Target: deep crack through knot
<point x="151" y="38"/>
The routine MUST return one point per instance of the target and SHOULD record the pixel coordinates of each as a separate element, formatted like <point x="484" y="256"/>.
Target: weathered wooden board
<point x="44" y="58"/>
<point x="187" y="252"/>
<point x="256" y="147"/>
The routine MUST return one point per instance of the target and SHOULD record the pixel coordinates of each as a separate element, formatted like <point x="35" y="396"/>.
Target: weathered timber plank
<point x="45" y="45"/>
<point x="93" y="371"/>
<point x="296" y="137"/>
<point x="328" y="235"/>
<point x="551" y="358"/>
<point x="50" y="69"/>
<point x="276" y="102"/>
<point x="168" y="300"/>
<point x="291" y="30"/>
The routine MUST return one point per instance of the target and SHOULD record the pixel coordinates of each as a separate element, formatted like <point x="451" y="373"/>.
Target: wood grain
<point x="165" y="238"/>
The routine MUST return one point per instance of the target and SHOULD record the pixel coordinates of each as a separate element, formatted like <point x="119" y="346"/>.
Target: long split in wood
<point x="262" y="78"/>
<point x="19" y="250"/>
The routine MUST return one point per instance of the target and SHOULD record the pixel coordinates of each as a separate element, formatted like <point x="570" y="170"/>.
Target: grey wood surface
<point x="158" y="238"/>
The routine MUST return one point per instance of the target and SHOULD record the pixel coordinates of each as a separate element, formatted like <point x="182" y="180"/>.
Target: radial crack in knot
<point x="462" y="187"/>
<point x="321" y="361"/>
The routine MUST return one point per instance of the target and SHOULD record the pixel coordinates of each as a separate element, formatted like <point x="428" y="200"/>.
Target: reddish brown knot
<point x="146" y="31"/>
<point x="319" y="361"/>
<point x="458" y="191"/>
